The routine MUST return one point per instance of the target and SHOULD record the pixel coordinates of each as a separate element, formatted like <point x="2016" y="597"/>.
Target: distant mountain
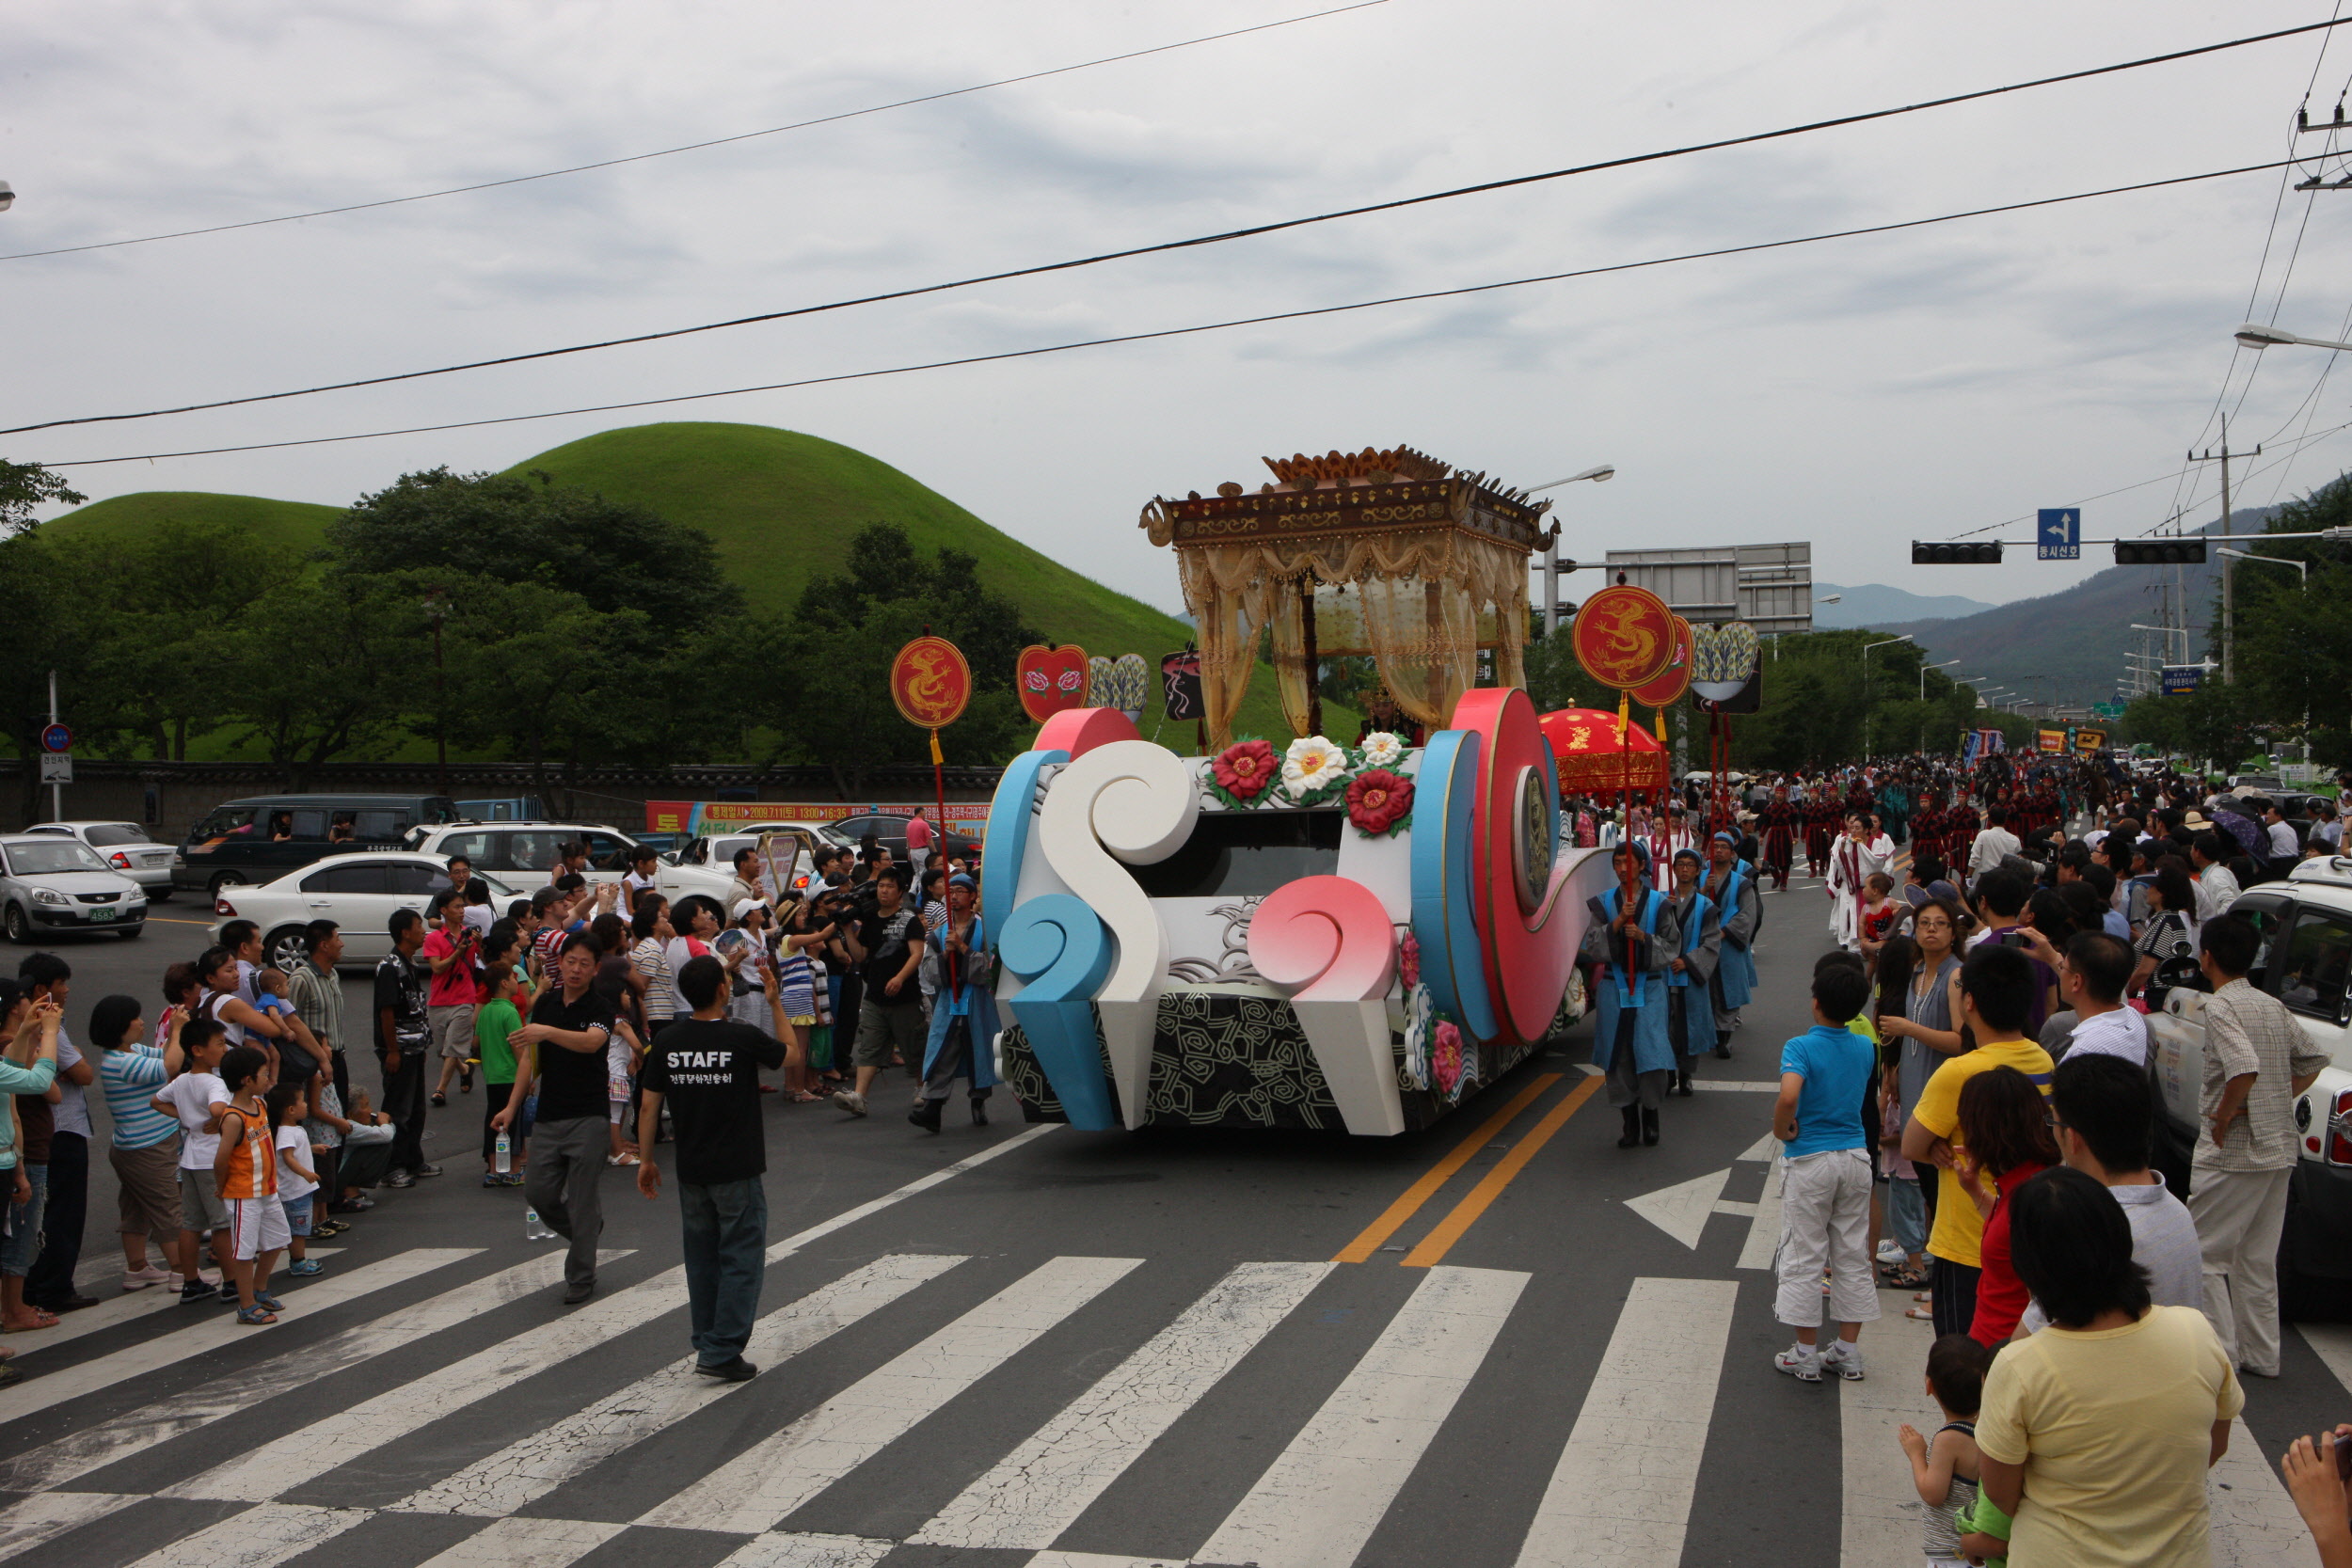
<point x="1874" y="604"/>
<point x="2074" y="638"/>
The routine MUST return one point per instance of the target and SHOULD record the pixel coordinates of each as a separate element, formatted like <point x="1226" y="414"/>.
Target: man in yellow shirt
<point x="1996" y="996"/>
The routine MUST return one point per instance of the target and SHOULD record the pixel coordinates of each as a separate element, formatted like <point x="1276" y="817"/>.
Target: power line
<point x="1251" y="232"/>
<point x="690" y="147"/>
<point x="1206" y="326"/>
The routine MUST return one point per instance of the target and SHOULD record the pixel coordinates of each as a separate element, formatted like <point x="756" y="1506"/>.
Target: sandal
<point x="1924" y="1297"/>
<point x="255" y="1316"/>
<point x="439" y="1099"/>
<point x="1920" y="1314"/>
<point x="802" y="1097"/>
<point x="1905" y="1278"/>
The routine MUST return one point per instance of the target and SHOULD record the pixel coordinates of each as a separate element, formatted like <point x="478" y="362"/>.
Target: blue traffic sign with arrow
<point x="2058" y="534"/>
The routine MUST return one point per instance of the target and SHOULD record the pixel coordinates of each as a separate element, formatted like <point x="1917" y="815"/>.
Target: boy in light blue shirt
<point x="1825" y="1179"/>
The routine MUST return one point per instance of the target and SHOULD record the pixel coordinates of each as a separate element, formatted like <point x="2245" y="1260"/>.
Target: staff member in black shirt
<point x="708" y="1067"/>
<point x="568" y="1028"/>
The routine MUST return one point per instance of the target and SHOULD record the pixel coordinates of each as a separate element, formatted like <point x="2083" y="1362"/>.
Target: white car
<point x="522" y="853"/>
<point x="717" y="850"/>
<point x="358" y="892"/>
<point x="2306" y="962"/>
<point x="126" y="848"/>
<point x="51" y="883"/>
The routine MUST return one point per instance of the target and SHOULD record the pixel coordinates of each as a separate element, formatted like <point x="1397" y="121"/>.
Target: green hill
<point x="295" y="525"/>
<point x="782" y="508"/>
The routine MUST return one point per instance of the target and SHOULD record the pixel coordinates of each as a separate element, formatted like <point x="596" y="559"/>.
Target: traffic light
<point x="1955" y="555"/>
<point x="2159" y="552"/>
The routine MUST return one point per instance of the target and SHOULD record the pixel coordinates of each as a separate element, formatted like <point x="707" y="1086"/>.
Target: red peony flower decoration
<point x="1409" y="960"/>
<point x="1378" y="800"/>
<point x="1245" y="768"/>
<point x="1445" y="1057"/>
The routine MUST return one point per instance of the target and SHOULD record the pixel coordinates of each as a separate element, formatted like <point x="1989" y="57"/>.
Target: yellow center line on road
<point x="173" y="920"/>
<point x="1406" y="1207"/>
<point x="1450" y="1229"/>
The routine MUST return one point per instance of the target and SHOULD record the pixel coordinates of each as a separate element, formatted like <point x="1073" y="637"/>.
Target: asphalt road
<point x="1014" y="1345"/>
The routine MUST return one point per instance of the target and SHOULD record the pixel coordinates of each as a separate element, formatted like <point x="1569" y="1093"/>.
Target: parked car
<point x="359" y="891"/>
<point x="125" y="846"/>
<point x="2306" y="962"/>
<point x="523" y="853"/>
<point x="264" y="836"/>
<point x="717" y="850"/>
<point x="890" y="831"/>
<point x="49" y="883"/>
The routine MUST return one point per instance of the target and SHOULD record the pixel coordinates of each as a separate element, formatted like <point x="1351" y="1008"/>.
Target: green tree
<point x="321" y="668"/>
<point x="464" y="528"/>
<point x="826" y="693"/>
<point x="24" y="487"/>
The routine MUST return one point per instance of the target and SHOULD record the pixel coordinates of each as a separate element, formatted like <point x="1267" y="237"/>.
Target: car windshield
<point x="48" y="859"/>
<point x="107" y="834"/>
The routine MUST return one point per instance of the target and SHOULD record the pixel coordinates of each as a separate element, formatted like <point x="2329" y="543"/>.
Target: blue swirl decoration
<point x="1011" y="812"/>
<point x="1445" y="899"/>
<point x="1061" y="950"/>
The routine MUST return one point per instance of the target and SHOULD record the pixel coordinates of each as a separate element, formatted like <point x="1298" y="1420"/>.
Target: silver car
<point x="50" y="883"/>
<point x="125" y="846"/>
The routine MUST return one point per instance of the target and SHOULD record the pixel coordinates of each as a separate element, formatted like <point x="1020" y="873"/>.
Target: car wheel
<point x="19" y="929"/>
<point x="226" y="879"/>
<point x="129" y="932"/>
<point x="159" y="894"/>
<point x="287" y="947"/>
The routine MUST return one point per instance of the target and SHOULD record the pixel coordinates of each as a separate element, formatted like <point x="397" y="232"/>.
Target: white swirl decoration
<point x="1136" y="801"/>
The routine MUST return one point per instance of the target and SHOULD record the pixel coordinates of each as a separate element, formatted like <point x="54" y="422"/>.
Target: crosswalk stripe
<point x="527" y="1543"/>
<point x="760" y="1487"/>
<point x="1319" y="1502"/>
<point x="1621" y="1491"/>
<point x="121" y="1308"/>
<point x="217" y="1327"/>
<point x="818" y="1231"/>
<point x="257" y="1538"/>
<point x="790" y="1549"/>
<point x="2254" y="1522"/>
<point x="1883" y="1519"/>
<point x="1099" y="1560"/>
<point x="2333" y="1343"/>
<point x="78" y="1453"/>
<point x="499" y="1483"/>
<point x="1039" y="1490"/>
<point x="46" y="1515"/>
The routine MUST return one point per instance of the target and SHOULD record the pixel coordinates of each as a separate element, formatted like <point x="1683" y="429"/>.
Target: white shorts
<point x="256" y="1225"/>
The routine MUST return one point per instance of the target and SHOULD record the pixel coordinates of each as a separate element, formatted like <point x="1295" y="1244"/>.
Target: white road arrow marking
<point x="1680" y="1210"/>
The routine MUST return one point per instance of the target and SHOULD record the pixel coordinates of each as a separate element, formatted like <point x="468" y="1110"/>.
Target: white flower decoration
<point x="1383" y="750"/>
<point x="1310" y="764"/>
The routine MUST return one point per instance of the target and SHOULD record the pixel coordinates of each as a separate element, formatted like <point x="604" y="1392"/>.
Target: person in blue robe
<point x="962" y="1042"/>
<point x="1690" y="1005"/>
<point x="1635" y="940"/>
<point x="1730" y="886"/>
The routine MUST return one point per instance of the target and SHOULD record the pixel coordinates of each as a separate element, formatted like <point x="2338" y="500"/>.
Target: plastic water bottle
<point x="535" y="1228"/>
<point x="505" y="1154"/>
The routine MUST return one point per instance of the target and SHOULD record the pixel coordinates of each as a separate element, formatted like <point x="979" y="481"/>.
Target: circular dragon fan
<point x="1668" y="688"/>
<point x="1625" y="636"/>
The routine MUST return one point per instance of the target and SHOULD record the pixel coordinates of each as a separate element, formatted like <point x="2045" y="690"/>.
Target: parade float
<point x="1299" y="932"/>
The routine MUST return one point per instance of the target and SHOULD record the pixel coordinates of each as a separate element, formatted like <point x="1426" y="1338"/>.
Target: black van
<point x="260" y="838"/>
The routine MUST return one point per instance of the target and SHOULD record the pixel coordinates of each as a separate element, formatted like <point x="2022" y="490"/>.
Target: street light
<point x="2256" y="336"/>
<point x="1923" y="674"/>
<point x="1551" y="552"/>
<point x="8" y="196"/>
<point x="1831" y="599"/>
<point x="2303" y="567"/>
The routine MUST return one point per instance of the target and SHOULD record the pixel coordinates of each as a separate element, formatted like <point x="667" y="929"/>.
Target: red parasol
<point x="1597" y="756"/>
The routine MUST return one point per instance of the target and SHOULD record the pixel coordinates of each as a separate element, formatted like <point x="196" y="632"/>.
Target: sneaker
<point x="400" y="1178"/>
<point x="426" y="1170"/>
<point x="196" y="1290"/>
<point x="736" y="1370"/>
<point x="1890" y="1253"/>
<point x="303" y="1268"/>
<point x="1843" y="1359"/>
<point x="1801" y="1362"/>
<point x="141" y="1278"/>
<point x="851" y="1101"/>
<point x="492" y="1179"/>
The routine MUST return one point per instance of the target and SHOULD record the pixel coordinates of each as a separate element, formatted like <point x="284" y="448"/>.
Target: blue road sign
<point x="2058" y="534"/>
<point x="2181" y="679"/>
<point x="56" y="738"/>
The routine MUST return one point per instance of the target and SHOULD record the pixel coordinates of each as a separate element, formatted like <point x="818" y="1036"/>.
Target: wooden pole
<point x="1306" y="646"/>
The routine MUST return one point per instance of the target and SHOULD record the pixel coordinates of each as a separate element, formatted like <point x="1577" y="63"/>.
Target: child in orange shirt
<point x="246" y="1172"/>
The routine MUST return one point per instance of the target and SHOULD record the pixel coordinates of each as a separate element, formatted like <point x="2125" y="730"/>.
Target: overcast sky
<point x="1857" y="393"/>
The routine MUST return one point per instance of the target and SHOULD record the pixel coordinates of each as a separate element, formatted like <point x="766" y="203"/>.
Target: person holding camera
<point x="453" y="995"/>
<point x="887" y="946"/>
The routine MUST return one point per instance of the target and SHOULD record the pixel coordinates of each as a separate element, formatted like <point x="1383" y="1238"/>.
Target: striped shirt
<point x="318" y="1001"/>
<point x="131" y="1076"/>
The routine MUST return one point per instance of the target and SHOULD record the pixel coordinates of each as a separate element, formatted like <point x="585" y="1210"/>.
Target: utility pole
<point x="2228" y="593"/>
